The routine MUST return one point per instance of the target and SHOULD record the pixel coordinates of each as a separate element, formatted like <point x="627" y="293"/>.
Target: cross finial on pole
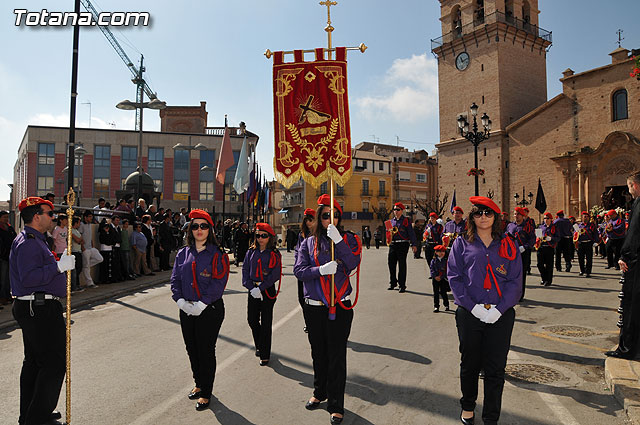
<point x="620" y="37"/>
<point x="329" y="29"/>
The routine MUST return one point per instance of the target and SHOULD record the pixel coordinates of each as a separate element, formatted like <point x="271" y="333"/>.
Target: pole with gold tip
<point x="71" y="199"/>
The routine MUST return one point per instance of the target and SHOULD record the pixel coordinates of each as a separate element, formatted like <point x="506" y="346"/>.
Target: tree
<point x="382" y="213"/>
<point x="432" y="204"/>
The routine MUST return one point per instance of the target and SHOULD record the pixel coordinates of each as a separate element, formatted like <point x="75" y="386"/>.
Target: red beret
<point x="611" y="212"/>
<point x="33" y="200"/>
<point x="572" y="217"/>
<point x="399" y="205"/>
<point x="456" y="208"/>
<point x="548" y="215"/>
<point x="201" y="214"/>
<point x="439" y="248"/>
<point x="433" y="215"/>
<point x="585" y="213"/>
<point x="310" y="211"/>
<point x="526" y="210"/>
<point x="485" y="202"/>
<point x="265" y="228"/>
<point x="520" y="211"/>
<point x="561" y="212"/>
<point x="326" y="200"/>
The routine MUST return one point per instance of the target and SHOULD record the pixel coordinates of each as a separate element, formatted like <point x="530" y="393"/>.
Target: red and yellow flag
<point x="311" y="114"/>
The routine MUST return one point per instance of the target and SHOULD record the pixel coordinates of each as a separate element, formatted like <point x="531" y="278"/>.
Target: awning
<point x="283" y="211"/>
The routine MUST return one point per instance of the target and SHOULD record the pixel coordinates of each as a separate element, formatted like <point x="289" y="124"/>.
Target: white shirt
<point x="85" y="231"/>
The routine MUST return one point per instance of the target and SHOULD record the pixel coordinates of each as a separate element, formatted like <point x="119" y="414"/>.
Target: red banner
<point x="311" y="114"/>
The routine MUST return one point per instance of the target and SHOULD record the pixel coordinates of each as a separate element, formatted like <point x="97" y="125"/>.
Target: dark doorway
<point x="616" y="196"/>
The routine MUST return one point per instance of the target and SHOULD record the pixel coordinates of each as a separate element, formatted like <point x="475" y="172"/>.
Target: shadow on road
<point x="408" y="356"/>
<point x="226" y="416"/>
<point x="561" y="306"/>
<point x="559" y="356"/>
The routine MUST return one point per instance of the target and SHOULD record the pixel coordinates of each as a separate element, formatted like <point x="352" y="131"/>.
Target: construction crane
<point x="138" y="80"/>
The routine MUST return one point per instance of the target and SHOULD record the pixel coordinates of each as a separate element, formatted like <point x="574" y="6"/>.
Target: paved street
<point x="130" y="367"/>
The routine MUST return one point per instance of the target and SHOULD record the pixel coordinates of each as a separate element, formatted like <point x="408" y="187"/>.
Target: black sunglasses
<point x="326" y="215"/>
<point x="203" y="226"/>
<point x="487" y="213"/>
<point x="397" y="209"/>
<point x="49" y="213"/>
<point x="262" y="235"/>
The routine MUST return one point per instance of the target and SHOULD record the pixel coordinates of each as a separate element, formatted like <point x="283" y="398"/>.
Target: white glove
<point x="547" y="238"/>
<point x="334" y="234"/>
<point x="521" y="249"/>
<point x="480" y="312"/>
<point x="255" y="293"/>
<point x="198" y="308"/>
<point x="185" y="306"/>
<point x="595" y="244"/>
<point x="66" y="262"/>
<point x="493" y="314"/>
<point x="330" y="268"/>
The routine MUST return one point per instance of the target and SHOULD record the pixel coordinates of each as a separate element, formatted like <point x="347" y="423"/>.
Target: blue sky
<point x="213" y="51"/>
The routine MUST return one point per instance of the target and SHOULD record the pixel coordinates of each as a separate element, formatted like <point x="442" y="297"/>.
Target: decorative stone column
<point x="566" y="173"/>
<point x="579" y="170"/>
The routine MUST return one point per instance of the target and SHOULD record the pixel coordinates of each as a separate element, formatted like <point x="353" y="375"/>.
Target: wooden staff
<point x="71" y="199"/>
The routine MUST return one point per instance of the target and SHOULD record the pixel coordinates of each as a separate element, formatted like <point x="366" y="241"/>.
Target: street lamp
<point x="475" y="136"/>
<point x="524" y="202"/>
<point x="128" y="105"/>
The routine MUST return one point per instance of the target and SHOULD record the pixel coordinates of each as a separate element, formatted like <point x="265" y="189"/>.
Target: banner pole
<point x="332" y="303"/>
<point x="71" y="199"/>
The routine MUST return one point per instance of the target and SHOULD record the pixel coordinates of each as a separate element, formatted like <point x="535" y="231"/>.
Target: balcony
<point x="365" y="192"/>
<point x="486" y="20"/>
<point x="383" y="193"/>
<point x="295" y="201"/>
<point x="219" y="131"/>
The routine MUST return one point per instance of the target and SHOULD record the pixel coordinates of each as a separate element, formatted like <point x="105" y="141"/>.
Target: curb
<point x="100" y="295"/>
<point x="623" y="377"/>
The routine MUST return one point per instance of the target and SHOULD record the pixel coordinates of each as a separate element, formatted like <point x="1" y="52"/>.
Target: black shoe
<point x="312" y="405"/>
<point x="436" y="309"/>
<point x="547" y="284"/>
<point x="568" y="269"/>
<point x="542" y="282"/>
<point x="55" y="415"/>
<point x="305" y="330"/>
<point x="391" y="288"/>
<point x="336" y="419"/>
<point x="150" y="274"/>
<point x="581" y="274"/>
<point x="257" y="353"/>
<point x="608" y="267"/>
<point x="469" y="421"/>
<point x="447" y="308"/>
<point x="402" y="290"/>
<point x="558" y="269"/>
<point x="618" y="354"/>
<point x="202" y="406"/>
<point x="264" y="362"/>
<point x="193" y="395"/>
<point x="617" y="267"/>
<point x="588" y="275"/>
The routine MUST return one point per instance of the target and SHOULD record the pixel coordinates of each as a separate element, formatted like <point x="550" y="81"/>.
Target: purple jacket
<point x="405" y="231"/>
<point x="453" y="227"/>
<point x="618" y="229"/>
<point x="467" y="268"/>
<point x="438" y="267"/>
<point x="549" y="231"/>
<point x="182" y="276"/>
<point x="523" y="233"/>
<point x="347" y="254"/>
<point x="564" y="229"/>
<point x="590" y="232"/>
<point x="32" y="266"/>
<point x="262" y="267"/>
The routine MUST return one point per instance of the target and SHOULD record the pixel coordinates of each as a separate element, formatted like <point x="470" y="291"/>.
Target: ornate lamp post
<point x="524" y="202"/>
<point x="475" y="136"/>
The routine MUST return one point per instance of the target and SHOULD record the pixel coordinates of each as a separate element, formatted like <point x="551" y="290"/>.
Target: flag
<point x="251" y="193"/>
<point x="541" y="203"/>
<point x="225" y="160"/>
<point x="241" y="179"/>
<point x="453" y="201"/>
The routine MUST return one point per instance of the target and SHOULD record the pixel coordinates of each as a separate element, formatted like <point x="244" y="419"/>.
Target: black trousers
<point x="367" y="242"/>
<point x="398" y="255"/>
<point x="116" y="265"/>
<point x="429" y="252"/>
<point x="164" y="258"/>
<point x="43" y="367"/>
<point x="526" y="265"/>
<point x="260" y="318"/>
<point x="377" y="243"/>
<point x="200" y="334"/>
<point x="439" y="290"/>
<point x="613" y="251"/>
<point x="545" y="263"/>
<point x="563" y="250"/>
<point x="585" y="256"/>
<point x="572" y="250"/>
<point x="328" y="339"/>
<point x="630" y="330"/>
<point x="106" y="267"/>
<point x="483" y="347"/>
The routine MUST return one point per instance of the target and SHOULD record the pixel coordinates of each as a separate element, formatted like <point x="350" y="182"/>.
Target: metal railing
<point x="495" y="17"/>
<point x="365" y="192"/>
<point x="219" y="131"/>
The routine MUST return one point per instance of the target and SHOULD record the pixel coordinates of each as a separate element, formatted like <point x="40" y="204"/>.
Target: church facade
<point x="581" y="143"/>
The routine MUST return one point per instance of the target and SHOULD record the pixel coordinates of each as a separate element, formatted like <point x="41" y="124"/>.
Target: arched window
<point x="508" y="10"/>
<point x="619" y="105"/>
<point x="526" y="12"/>
<point x="479" y="12"/>
<point x="456" y="21"/>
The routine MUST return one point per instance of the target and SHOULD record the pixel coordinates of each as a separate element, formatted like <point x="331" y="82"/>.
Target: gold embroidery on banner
<point x="333" y="75"/>
<point x="341" y="157"/>
<point x="313" y="131"/>
<point x="285" y="78"/>
<point x="310" y="76"/>
<point x="286" y="154"/>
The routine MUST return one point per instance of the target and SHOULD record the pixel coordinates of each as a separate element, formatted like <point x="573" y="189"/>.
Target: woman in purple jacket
<point x="200" y="274"/>
<point x="485" y="276"/>
<point x="261" y="269"/>
<point x="328" y="327"/>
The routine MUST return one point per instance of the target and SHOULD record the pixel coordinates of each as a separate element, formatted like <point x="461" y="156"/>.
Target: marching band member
<point x="485" y="275"/>
<point x="305" y="232"/>
<point x="586" y="237"/>
<point x="546" y="249"/>
<point x="602" y="241"/>
<point x="438" y="268"/>
<point x="533" y="225"/>
<point x="572" y="247"/>
<point x="329" y="327"/>
<point x="432" y="235"/>
<point x="261" y="269"/>
<point x="523" y="232"/>
<point x="402" y="235"/>
<point x="615" y="231"/>
<point x="455" y="227"/>
<point x="199" y="276"/>
<point x="564" y="231"/>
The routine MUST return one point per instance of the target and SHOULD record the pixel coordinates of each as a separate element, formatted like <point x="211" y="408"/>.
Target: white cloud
<point x="409" y="91"/>
<point x="49" y="120"/>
